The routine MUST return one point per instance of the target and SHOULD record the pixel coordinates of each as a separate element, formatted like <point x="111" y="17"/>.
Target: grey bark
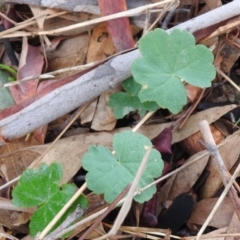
<point x="95" y="82"/>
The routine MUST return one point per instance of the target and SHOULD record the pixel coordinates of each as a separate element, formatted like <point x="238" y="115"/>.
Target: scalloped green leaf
<point x="40" y="188"/>
<point x="37" y="186"/>
<point x="110" y="173"/>
<point x="46" y="212"/>
<point x="131" y="87"/>
<point x="168" y="60"/>
<point x="123" y="103"/>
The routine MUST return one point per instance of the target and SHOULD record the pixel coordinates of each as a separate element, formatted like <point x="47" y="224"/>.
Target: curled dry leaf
<point x="148" y="215"/>
<point x="192" y="144"/>
<point x="163" y="141"/>
<point x="30" y="64"/>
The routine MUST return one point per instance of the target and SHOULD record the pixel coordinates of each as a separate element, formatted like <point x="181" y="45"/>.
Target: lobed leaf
<point x="109" y="173"/>
<point x="37" y="186"/>
<point x="126" y="102"/>
<point x="168" y="60"/>
<point x="40" y="188"/>
<point x="49" y="210"/>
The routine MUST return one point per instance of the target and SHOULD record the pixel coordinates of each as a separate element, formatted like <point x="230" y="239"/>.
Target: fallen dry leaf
<point x="104" y="119"/>
<point x="100" y="47"/>
<point x="70" y="52"/>
<point x="213" y="181"/>
<point x="191" y="125"/>
<point x="69" y="151"/>
<point x="221" y="218"/>
<point x="233" y="226"/>
<point x="87" y="115"/>
<point x="192" y="145"/>
<point x="10" y="218"/>
<point x="30" y="64"/>
<point x="14" y="164"/>
<point x="184" y="180"/>
<point x="97" y="232"/>
<point x="119" y="29"/>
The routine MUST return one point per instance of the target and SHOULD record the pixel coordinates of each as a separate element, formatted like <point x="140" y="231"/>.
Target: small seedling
<point x="110" y="173"/>
<point x="168" y="61"/>
<point x="40" y="188"/>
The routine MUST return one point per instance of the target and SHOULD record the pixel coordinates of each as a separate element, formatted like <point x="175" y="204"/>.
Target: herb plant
<point x="40" y="188"/>
<point x="110" y="173"/>
<point x="168" y="61"/>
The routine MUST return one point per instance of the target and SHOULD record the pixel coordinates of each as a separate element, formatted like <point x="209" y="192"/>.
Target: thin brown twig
<point x="222" y="170"/>
<point x="170" y="7"/>
<point x="192" y="108"/>
<point x="228" y="79"/>
<point x="7" y="18"/>
<point x="29" y="22"/>
<point x="128" y="13"/>
<point x="224" y="193"/>
<point x="57" y="233"/>
<point x="221" y="30"/>
<point x="108" y="210"/>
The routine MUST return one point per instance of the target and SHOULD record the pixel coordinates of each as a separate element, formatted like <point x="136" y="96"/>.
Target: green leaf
<point x="131" y="87"/>
<point x="40" y="188"/>
<point x="110" y="173"/>
<point x="126" y="102"/>
<point x="168" y="60"/>
<point x="6" y="99"/>
<point x="122" y="104"/>
<point x="48" y="211"/>
<point x="37" y="186"/>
